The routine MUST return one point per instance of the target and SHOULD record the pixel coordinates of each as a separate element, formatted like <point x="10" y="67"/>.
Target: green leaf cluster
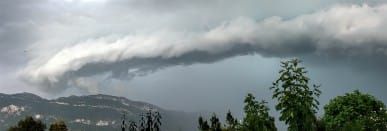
<point x="58" y="126"/>
<point x="355" y="111"/>
<point x="298" y="104"/>
<point x="28" y="124"/>
<point x="150" y="121"/>
<point x="257" y="116"/>
<point x="297" y="101"/>
<point x="215" y="124"/>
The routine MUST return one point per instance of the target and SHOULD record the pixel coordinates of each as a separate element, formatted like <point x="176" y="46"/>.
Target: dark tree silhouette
<point x="157" y="121"/>
<point x="203" y="124"/>
<point x="132" y="126"/>
<point x="28" y="124"/>
<point x="58" y="126"/>
<point x="123" y="121"/>
<point x="142" y="122"/>
<point x="215" y="123"/>
<point x="151" y="121"/>
<point x="257" y="119"/>
<point x="232" y="122"/>
<point x="257" y="116"/>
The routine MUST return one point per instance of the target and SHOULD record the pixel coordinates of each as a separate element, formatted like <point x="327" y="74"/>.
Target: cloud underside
<point x="355" y="32"/>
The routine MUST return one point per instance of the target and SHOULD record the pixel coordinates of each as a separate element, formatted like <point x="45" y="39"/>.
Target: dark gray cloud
<point x="159" y="50"/>
<point x="16" y="29"/>
<point x="346" y="32"/>
<point x="125" y="39"/>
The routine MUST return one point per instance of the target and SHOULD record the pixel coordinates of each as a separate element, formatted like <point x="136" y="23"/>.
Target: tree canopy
<point x="355" y="111"/>
<point x="58" y="126"/>
<point x="232" y="123"/>
<point x="28" y="124"/>
<point x="150" y="121"/>
<point x="257" y="116"/>
<point x="203" y="124"/>
<point x="214" y="125"/>
<point x="297" y="101"/>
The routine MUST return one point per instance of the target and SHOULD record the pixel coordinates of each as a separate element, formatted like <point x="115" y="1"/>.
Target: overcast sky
<point x="202" y="55"/>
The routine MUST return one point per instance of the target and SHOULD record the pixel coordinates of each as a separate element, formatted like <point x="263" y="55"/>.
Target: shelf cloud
<point x="343" y="31"/>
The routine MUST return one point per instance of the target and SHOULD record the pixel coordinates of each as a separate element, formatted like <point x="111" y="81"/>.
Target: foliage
<point x="355" y="111"/>
<point x="215" y="124"/>
<point x="257" y="119"/>
<point x="231" y="122"/>
<point x="151" y="121"/>
<point x="203" y="124"/>
<point x="320" y="125"/>
<point x="142" y="122"/>
<point x="58" y="126"/>
<point x="28" y="124"/>
<point x="297" y="102"/>
<point x="157" y="121"/>
<point x="257" y="116"/>
<point x="132" y="126"/>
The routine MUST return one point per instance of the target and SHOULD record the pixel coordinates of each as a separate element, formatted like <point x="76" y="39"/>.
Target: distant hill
<point x="89" y="113"/>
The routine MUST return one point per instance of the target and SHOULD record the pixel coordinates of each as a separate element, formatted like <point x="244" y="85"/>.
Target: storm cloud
<point x="342" y="31"/>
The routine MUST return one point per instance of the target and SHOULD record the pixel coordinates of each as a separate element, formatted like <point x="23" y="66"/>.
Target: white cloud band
<point x="341" y="30"/>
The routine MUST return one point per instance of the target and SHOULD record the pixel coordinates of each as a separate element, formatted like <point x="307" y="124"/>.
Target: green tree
<point x="355" y="111"/>
<point x="142" y="122"/>
<point x="58" y="126"/>
<point x="257" y="116"/>
<point x="157" y="121"/>
<point x="320" y="125"/>
<point x="215" y="123"/>
<point x="28" y="124"/>
<point x="232" y="123"/>
<point x="132" y="126"/>
<point x="297" y="102"/>
<point x="151" y="121"/>
<point x="203" y="124"/>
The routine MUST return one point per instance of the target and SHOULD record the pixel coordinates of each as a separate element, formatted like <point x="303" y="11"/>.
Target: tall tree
<point x="215" y="123"/>
<point x="157" y="121"/>
<point x="142" y="122"/>
<point x="231" y="122"/>
<point x="355" y="111"/>
<point x="132" y="126"/>
<point x="28" y="124"/>
<point x="297" y="101"/>
<point x="123" y="121"/>
<point x="203" y="124"/>
<point x="149" y="121"/>
<point x="257" y="116"/>
<point x="58" y="126"/>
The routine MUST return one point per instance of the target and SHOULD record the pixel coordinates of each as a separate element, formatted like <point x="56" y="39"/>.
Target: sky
<point x="194" y="56"/>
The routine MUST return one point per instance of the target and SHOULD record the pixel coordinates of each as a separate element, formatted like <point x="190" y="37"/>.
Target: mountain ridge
<point x="89" y="112"/>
